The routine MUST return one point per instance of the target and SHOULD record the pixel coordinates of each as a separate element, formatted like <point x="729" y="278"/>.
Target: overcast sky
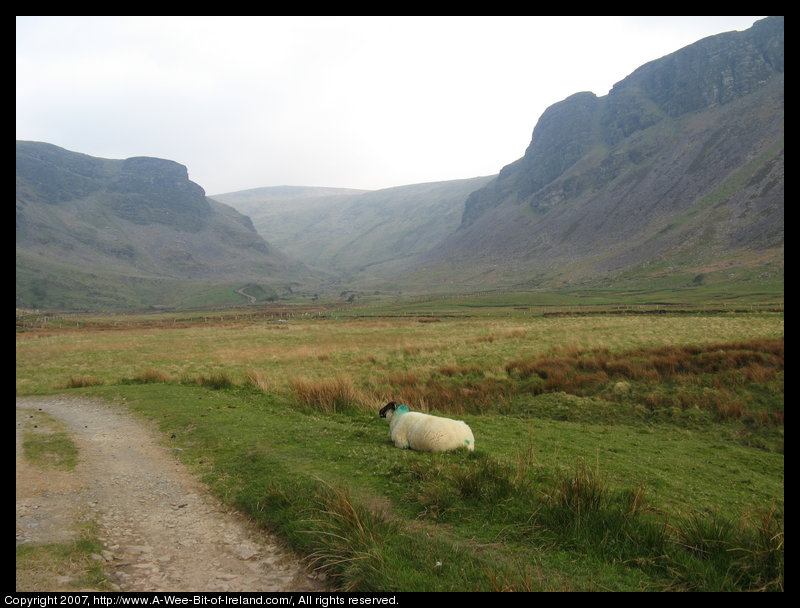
<point x="356" y="102"/>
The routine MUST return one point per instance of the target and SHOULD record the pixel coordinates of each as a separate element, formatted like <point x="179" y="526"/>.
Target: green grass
<point x="614" y="451"/>
<point x="542" y="504"/>
<point x="42" y="282"/>
<point x="61" y="567"/>
<point x="46" y="443"/>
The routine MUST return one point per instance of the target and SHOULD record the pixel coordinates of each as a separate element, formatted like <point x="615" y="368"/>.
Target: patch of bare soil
<point x="162" y="529"/>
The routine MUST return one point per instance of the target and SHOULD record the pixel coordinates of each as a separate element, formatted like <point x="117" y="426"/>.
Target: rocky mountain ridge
<point x="134" y="220"/>
<point x="681" y="163"/>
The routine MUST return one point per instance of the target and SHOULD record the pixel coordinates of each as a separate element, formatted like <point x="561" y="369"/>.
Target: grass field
<point x="637" y="449"/>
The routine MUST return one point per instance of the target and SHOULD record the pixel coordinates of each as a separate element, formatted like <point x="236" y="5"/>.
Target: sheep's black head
<point x="389" y="407"/>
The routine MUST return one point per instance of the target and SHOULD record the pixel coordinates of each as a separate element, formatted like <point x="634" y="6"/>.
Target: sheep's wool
<point x="427" y="433"/>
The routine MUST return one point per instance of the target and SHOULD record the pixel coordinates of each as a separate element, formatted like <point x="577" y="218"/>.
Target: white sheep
<point x="425" y="432"/>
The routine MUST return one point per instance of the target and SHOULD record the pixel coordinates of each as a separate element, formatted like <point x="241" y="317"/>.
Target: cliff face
<point x="155" y="191"/>
<point x="682" y="159"/>
<point x="142" y="190"/>
<point x="139" y="217"/>
<point x="713" y="71"/>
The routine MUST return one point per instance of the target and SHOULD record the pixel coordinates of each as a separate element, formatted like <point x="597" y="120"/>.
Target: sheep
<point x="424" y="432"/>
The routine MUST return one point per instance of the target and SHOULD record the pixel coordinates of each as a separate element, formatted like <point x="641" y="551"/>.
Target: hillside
<point x="678" y="170"/>
<point x="98" y="233"/>
<point x="287" y="216"/>
<point x="357" y="235"/>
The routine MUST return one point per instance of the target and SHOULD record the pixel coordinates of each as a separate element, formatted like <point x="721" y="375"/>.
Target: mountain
<point x="358" y="235"/>
<point x="98" y="233"/>
<point x="676" y="173"/>
<point x="678" y="169"/>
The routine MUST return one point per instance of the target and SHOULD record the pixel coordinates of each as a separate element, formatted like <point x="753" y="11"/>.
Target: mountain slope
<point x="106" y="223"/>
<point x="357" y="235"/>
<point x="678" y="168"/>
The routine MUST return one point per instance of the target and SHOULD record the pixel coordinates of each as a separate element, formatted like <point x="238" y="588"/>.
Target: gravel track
<point x="162" y="529"/>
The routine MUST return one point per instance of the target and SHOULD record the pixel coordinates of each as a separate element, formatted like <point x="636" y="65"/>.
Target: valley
<point x="675" y="177"/>
<point x="606" y="312"/>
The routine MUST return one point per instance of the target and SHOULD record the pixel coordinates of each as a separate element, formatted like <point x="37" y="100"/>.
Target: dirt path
<point x="162" y="529"/>
<point x="251" y="299"/>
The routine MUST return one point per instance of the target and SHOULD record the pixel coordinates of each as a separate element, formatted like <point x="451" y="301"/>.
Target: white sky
<point x="356" y="102"/>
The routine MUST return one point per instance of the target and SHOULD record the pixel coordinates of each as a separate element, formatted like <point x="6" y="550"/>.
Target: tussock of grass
<point x="259" y="380"/>
<point x="81" y="382"/>
<point x="332" y="395"/>
<point x="579" y="494"/>
<point x="348" y="539"/>
<point x="724" y="554"/>
<point x="216" y="381"/>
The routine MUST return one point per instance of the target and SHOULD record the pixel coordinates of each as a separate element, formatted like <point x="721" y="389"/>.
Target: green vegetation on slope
<point x="358" y="235"/>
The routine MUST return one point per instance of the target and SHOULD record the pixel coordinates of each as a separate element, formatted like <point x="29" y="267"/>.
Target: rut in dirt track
<point x="162" y="529"/>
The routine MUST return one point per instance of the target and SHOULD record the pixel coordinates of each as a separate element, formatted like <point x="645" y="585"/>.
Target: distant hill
<point x="358" y="235"/>
<point x="253" y="199"/>
<point x="98" y="233"/>
<point x="679" y="169"/>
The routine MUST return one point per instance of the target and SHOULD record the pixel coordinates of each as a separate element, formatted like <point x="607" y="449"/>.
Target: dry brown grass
<point x="454" y="397"/>
<point x="259" y="380"/>
<point x="152" y="376"/>
<point x="82" y="381"/>
<point x="331" y="395"/>
<point x="720" y="368"/>
<point x="660" y="363"/>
